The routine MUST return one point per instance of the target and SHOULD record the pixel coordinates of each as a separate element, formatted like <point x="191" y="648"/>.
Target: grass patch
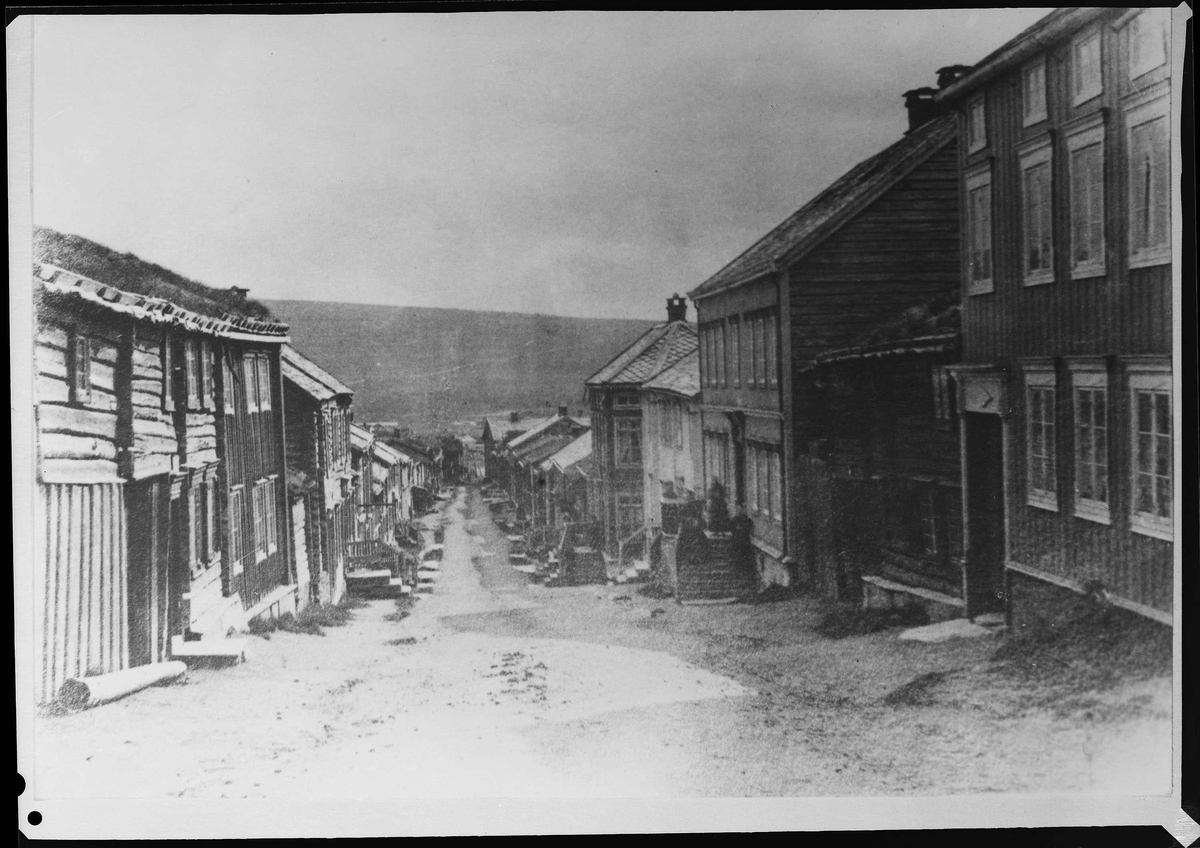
<point x="917" y="692"/>
<point x="403" y="640"/>
<point x="856" y="621"/>
<point x="310" y="621"/>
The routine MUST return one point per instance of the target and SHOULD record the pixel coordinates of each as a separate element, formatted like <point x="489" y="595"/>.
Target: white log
<point x="93" y="691"/>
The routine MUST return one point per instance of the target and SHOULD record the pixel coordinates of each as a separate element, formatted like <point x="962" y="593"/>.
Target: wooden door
<point x="149" y="583"/>
<point x="984" y="574"/>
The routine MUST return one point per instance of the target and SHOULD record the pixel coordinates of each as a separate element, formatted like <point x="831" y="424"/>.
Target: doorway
<point x="984" y="574"/>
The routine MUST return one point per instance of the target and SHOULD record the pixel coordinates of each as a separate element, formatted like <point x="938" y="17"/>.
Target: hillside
<point x="429" y="367"/>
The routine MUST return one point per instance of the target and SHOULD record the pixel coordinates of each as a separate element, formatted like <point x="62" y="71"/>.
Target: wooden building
<point x="880" y="239"/>
<point x="565" y="493"/>
<point x="524" y="454"/>
<point x="317" y="429"/>
<point x="1065" y="151"/>
<point x="883" y="415"/>
<point x="160" y="512"/>
<point x="614" y="396"/>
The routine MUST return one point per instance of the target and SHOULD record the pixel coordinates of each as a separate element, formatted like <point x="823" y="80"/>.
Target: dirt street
<point x="495" y="688"/>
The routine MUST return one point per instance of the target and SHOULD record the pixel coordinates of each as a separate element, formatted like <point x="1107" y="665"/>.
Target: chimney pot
<point x="238" y="292"/>
<point x="921" y="107"/>
<point x="676" y="308"/>
<point x="951" y="74"/>
<point x="562" y="412"/>
<point x="514" y="417"/>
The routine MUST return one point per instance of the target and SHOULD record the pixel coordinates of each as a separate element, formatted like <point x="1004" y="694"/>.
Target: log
<point x="94" y="691"/>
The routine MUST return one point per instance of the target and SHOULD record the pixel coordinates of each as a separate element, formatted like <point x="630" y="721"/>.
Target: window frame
<point x="250" y="382"/>
<point x="167" y="364"/>
<point x="977" y="106"/>
<point x="735" y="351"/>
<point x="1040" y="378"/>
<point x="1030" y="117"/>
<point x="974" y="180"/>
<point x="263" y="382"/>
<point x="1081" y="137"/>
<point x="1078" y="96"/>
<point x="1136" y="116"/>
<point x="236" y="509"/>
<point x="630" y="429"/>
<point x="1160" y="17"/>
<point x="1036" y="154"/>
<point x="80" y="360"/>
<point x="1089" y="376"/>
<point x="1145" y="377"/>
<point x="191" y="372"/>
<point x="771" y="348"/>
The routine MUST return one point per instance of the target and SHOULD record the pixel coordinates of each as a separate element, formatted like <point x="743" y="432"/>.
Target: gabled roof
<point x="500" y="427"/>
<point x="544" y="447"/>
<point x="386" y="454"/>
<point x="682" y="378"/>
<point x="59" y="283"/>
<point x="657" y="349"/>
<point x="360" y="437"/>
<point x="542" y="426"/>
<point x="572" y="453"/>
<point x="311" y="377"/>
<point x="832" y="208"/>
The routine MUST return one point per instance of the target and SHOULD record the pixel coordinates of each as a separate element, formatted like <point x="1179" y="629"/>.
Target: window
<point x="763" y="492"/>
<point x="1037" y="224"/>
<point x="168" y="391"/>
<point x="1086" y="80"/>
<point x="752" y="498"/>
<point x="735" y="349"/>
<point x="759" y="376"/>
<point x="1033" y="93"/>
<point x="250" y="379"/>
<point x="229" y="389"/>
<point x="1153" y="466"/>
<point x="1086" y="172"/>
<point x="747" y="353"/>
<point x="769" y="342"/>
<point x="1090" y="389"/>
<point x="264" y="382"/>
<point x="237" y="511"/>
<point x="929" y="522"/>
<point x="265" y="520"/>
<point x="1148" y="34"/>
<point x="629" y="515"/>
<point x="943" y="398"/>
<point x="1042" y="479"/>
<point x="625" y="399"/>
<point x="191" y="372"/>
<point x="1149" y="185"/>
<point x="81" y="368"/>
<point x="708" y="355"/>
<point x="207" y="389"/>
<point x="199" y="548"/>
<point x="716" y="459"/>
<point x="722" y="377"/>
<point x="776" y="486"/>
<point x="210" y="520"/>
<point x="976" y="125"/>
<point x="629" y="441"/>
<point x="979" y="232"/>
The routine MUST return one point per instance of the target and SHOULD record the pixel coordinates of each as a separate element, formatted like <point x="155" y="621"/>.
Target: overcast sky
<point x="572" y="163"/>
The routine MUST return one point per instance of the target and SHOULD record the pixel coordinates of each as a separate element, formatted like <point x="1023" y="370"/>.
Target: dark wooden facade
<point x="1088" y="336"/>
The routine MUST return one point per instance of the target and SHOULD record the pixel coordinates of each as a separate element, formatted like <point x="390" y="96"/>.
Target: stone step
<point x="208" y="652"/>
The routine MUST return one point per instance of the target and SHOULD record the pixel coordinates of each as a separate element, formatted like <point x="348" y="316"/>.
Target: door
<point x="984" y="573"/>
<point x="149" y="589"/>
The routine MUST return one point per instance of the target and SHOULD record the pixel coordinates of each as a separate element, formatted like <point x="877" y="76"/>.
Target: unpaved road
<point x="496" y="688"/>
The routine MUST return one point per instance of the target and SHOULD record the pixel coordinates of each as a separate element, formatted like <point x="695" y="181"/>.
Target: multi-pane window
<point x="707" y="351"/>
<point x="976" y="125"/>
<point x="629" y="441"/>
<point x="735" y="350"/>
<point x="716" y="458"/>
<point x="1041" y="454"/>
<point x="1037" y="224"/>
<point x="1086" y="80"/>
<point x="237" y="512"/>
<point x="1148" y="34"/>
<point x="230" y="386"/>
<point x="752" y="477"/>
<point x="722" y="373"/>
<point x="1091" y="444"/>
<point x="81" y="368"/>
<point x="250" y="382"/>
<point x="265" y="529"/>
<point x="1086" y="172"/>
<point x="763" y="489"/>
<point x="979" y="231"/>
<point x="166" y="360"/>
<point x="1153" y="461"/>
<point x="759" y="375"/>
<point x="191" y="372"/>
<point x="769" y="342"/>
<point x="943" y="401"/>
<point x="208" y="391"/>
<point x="264" y="381"/>
<point x="1149" y="184"/>
<point x="1033" y="92"/>
<point x="629" y="514"/>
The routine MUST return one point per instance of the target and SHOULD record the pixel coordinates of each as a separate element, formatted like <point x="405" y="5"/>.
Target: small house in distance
<point x="318" y="441"/>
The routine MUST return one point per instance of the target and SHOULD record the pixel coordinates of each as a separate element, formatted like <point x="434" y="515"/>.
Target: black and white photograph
<point x="479" y="421"/>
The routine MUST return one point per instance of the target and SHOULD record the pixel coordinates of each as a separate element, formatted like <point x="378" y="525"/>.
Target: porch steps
<point x="712" y="584"/>
<point x="208" y="652"/>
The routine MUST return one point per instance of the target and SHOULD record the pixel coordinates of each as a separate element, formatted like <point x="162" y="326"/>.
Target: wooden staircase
<point x="714" y="577"/>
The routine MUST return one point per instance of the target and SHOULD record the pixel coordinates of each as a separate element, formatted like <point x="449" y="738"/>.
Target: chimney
<point x="514" y="417"/>
<point x="951" y="74"/>
<point x="562" y="412"/>
<point x="676" y="308"/>
<point x="238" y="292"/>
<point x="920" y="106"/>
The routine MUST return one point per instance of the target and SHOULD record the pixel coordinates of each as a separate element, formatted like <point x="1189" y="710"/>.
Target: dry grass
<point x="311" y="619"/>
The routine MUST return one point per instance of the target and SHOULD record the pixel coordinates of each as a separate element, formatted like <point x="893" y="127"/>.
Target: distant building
<point x="614" y="394"/>
<point x="1068" y="413"/>
<point x="524" y="454"/>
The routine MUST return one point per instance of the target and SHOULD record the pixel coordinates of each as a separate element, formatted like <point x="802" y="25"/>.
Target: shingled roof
<point x="573" y="453"/>
<point x="310" y="376"/>
<point x="682" y="378"/>
<point x="832" y="208"/>
<point x="658" y="348"/>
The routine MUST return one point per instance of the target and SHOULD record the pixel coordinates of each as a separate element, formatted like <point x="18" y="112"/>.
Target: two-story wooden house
<point x="614" y="396"/>
<point x="141" y="539"/>
<point x="318" y="453"/>
<point x="526" y="453"/>
<point x="1069" y="415"/>
<point x="880" y="239"/>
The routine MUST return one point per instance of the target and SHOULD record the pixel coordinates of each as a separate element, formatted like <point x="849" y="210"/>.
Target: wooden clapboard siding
<point x="80" y="588"/>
